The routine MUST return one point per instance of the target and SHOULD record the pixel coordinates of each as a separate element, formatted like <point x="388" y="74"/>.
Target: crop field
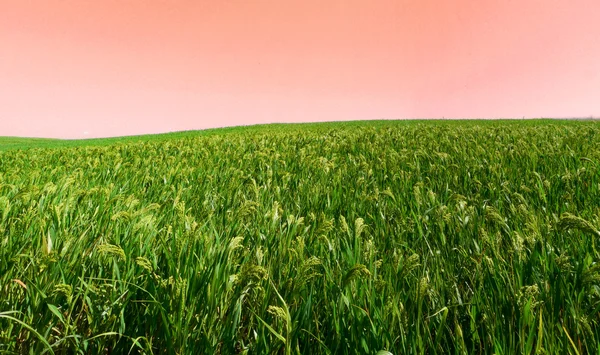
<point x="401" y="237"/>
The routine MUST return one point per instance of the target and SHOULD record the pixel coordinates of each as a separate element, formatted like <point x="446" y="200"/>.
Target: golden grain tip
<point x="20" y="283"/>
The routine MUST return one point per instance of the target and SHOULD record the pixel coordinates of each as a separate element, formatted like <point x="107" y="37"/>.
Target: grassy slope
<point x="9" y="143"/>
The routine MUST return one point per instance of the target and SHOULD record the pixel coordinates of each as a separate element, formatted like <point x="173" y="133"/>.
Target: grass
<point x="357" y="237"/>
<point x="12" y="143"/>
<point x="7" y="143"/>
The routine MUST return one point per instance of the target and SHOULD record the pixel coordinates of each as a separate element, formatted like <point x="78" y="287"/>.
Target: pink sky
<point x="96" y="68"/>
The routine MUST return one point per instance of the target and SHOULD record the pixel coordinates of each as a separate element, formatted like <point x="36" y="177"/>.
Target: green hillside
<point x="402" y="237"/>
<point x="9" y="143"/>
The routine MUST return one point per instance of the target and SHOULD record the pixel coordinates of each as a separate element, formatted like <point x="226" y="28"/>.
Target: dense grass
<point x="408" y="237"/>
<point x="11" y="143"/>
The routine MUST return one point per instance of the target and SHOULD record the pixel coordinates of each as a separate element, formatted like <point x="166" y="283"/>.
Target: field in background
<point x="356" y="237"/>
<point x="11" y="143"/>
<point x="7" y="143"/>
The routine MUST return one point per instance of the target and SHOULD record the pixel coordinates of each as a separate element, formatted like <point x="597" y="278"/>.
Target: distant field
<point x="9" y="143"/>
<point x="18" y="143"/>
<point x="407" y="237"/>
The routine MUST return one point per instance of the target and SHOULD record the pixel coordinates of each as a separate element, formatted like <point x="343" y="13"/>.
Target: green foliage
<point x="334" y="238"/>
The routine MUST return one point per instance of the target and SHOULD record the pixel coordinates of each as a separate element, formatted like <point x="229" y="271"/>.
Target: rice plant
<point x="336" y="238"/>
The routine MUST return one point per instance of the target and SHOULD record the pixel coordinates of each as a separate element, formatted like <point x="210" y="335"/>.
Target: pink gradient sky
<point x="96" y="68"/>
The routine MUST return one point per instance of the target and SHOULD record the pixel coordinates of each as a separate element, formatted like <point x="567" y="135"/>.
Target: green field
<point x="408" y="237"/>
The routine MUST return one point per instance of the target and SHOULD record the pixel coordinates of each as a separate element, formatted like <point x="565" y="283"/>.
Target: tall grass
<point x="408" y="238"/>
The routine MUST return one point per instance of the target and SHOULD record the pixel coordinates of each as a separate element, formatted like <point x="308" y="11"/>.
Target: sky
<point x="99" y="68"/>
